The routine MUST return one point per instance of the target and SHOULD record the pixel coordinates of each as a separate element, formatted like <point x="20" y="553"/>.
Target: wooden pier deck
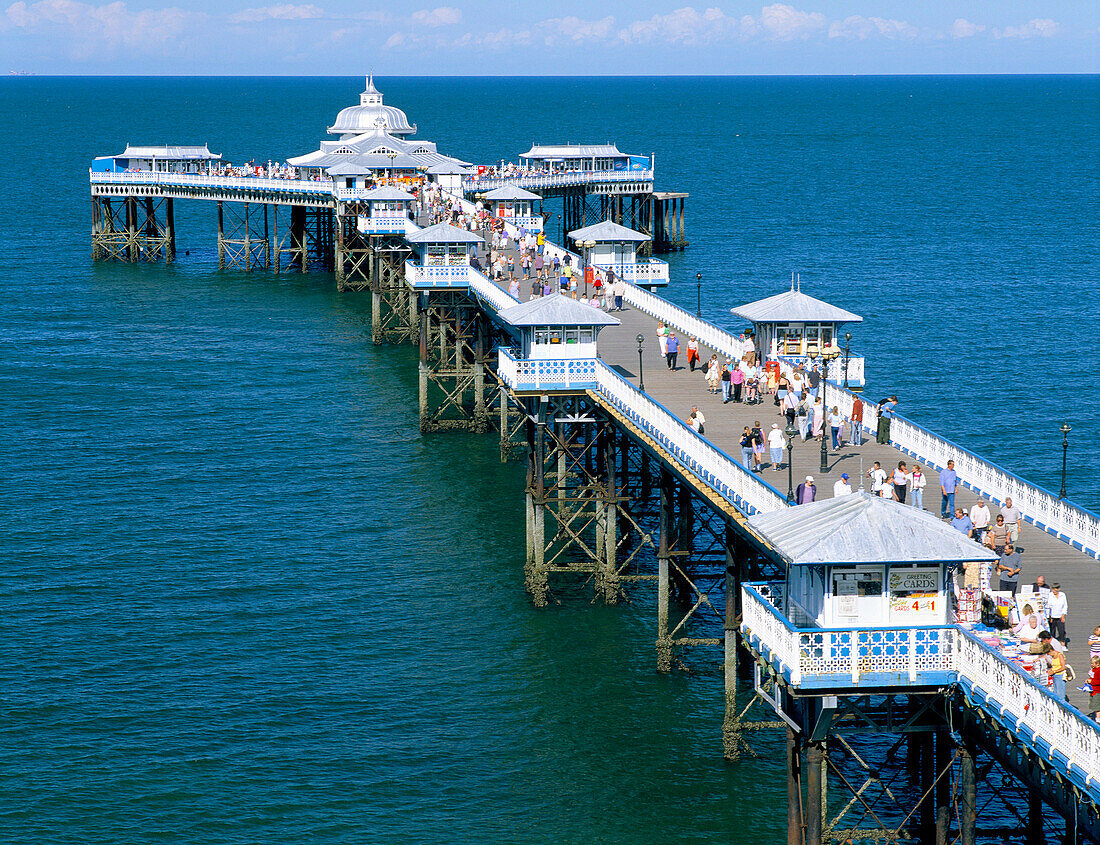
<point x="678" y="390"/>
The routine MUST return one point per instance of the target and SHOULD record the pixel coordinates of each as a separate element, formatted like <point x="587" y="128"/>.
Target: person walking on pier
<point x="963" y="525"/>
<point x="901" y="482"/>
<point x="746" y="450"/>
<point x="979" y="515"/>
<point x="672" y="348"/>
<point x="757" y="447"/>
<point x="1008" y="567"/>
<point x="1057" y="608"/>
<point x="842" y="487"/>
<point x="737" y="380"/>
<point x="513" y="288"/>
<point x="855" y="436"/>
<point x="714" y="374"/>
<point x="695" y="412"/>
<point x="835" y="423"/>
<point x="693" y="353"/>
<point x="724" y="378"/>
<point x="619" y="286"/>
<point x="917" y="482"/>
<point x="802" y="410"/>
<point x="949" y="482"/>
<point x="806" y="491"/>
<point x="1012" y="519"/>
<point x="776" y="443"/>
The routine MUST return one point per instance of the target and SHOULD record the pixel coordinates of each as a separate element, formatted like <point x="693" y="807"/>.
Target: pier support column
<point x="664" y="554"/>
<point x="943" y="787"/>
<point x="170" y="230"/>
<point x="131" y="229"/>
<point x="731" y="724"/>
<point x="1034" y="835"/>
<point x="607" y="583"/>
<point x="376" y="317"/>
<point x="481" y="422"/>
<point x="537" y="582"/>
<point x="794" y="789"/>
<point x="815" y="793"/>
<point x="247" y="243"/>
<point x="221" y="236"/>
<point x="968" y="795"/>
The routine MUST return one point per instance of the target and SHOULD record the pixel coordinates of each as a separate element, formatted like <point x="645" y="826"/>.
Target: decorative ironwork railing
<point x="554" y="374"/>
<point x="555" y="180"/>
<point x="202" y="180"/>
<point x="927" y="656"/>
<point x="685" y="322"/>
<point x="1066" y="521"/>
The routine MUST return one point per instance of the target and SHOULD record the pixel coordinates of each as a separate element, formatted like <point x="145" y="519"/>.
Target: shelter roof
<point x="549" y="151"/>
<point x="861" y="528"/>
<point x="387" y="193"/>
<point x="511" y="192"/>
<point x="365" y="163"/>
<point x="793" y="306"/>
<point x="608" y="232"/>
<point x="371" y="114"/>
<point x="556" y="310"/>
<point x="450" y="167"/>
<point x="193" y="151"/>
<point x="443" y="233"/>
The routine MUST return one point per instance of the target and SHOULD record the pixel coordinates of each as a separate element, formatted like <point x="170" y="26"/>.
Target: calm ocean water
<point x="244" y="600"/>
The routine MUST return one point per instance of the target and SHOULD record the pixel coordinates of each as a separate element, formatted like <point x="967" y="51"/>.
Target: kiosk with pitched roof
<point x="614" y="248"/>
<point x="442" y="256"/>
<point x="796" y="328"/>
<point x="513" y="205"/>
<point x="556" y="344"/>
<point x="389" y="211"/>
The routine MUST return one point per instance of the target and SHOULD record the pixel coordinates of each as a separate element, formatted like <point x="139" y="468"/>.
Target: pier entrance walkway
<point x="679" y="390"/>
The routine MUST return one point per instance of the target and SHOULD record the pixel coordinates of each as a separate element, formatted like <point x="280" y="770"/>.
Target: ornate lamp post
<point x="587" y="246"/>
<point x="1065" y="429"/>
<point x="827" y="355"/>
<point x="641" y="379"/>
<point x="790" y="431"/>
<point x="698" y="294"/>
<point x="847" y="355"/>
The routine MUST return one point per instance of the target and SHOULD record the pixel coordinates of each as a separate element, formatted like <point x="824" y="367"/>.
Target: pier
<point x="893" y="732"/>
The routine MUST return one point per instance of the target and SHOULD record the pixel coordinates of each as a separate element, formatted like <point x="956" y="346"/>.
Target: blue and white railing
<point x="1068" y="522"/>
<point x="200" y="180"/>
<point x="818" y="658"/>
<point x="475" y="184"/>
<point x="934" y="656"/>
<point x="554" y="374"/>
<point x="644" y="272"/>
<point x="686" y="323"/>
<point x="855" y="372"/>
<point x="698" y="456"/>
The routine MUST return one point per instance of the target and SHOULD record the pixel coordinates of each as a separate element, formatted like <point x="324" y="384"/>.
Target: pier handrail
<point x="685" y="322"/>
<point x="694" y="453"/>
<point x="1029" y="709"/>
<point x="555" y="180"/>
<point x="1067" y="521"/>
<point x="198" y="180"/>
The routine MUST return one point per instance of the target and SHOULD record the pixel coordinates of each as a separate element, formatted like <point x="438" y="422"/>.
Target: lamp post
<point x="561" y="226"/>
<point x="587" y="245"/>
<point x="698" y="294"/>
<point x="1065" y="429"/>
<point x="641" y="379"/>
<point x="827" y="355"/>
<point x="790" y="431"/>
<point x="847" y="355"/>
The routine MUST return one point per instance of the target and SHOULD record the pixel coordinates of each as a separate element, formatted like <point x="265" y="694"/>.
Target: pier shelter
<point x="159" y="159"/>
<point x="442" y="256"/>
<point x="514" y="205"/>
<point x="797" y="328"/>
<point x="556" y="337"/>
<point x="449" y="176"/>
<point x="614" y="248"/>
<point x="389" y="211"/>
<point x="583" y="157"/>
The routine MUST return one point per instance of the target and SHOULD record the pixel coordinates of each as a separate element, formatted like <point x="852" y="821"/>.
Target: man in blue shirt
<point x="885" y="414"/>
<point x="949" y="482"/>
<point x="962" y="522"/>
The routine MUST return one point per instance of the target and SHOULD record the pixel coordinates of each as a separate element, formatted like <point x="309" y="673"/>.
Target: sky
<point x="564" y="37"/>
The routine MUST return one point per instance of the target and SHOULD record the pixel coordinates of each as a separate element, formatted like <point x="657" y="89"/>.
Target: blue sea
<point x="244" y="600"/>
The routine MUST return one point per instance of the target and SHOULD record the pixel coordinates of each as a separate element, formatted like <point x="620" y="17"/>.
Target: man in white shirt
<point x="1012" y="519"/>
<point x="777" y="442"/>
<point x="1057" y="606"/>
<point x="699" y="418"/>
<point x="842" y="487"/>
<point x="979" y="515"/>
<point x="878" y="479"/>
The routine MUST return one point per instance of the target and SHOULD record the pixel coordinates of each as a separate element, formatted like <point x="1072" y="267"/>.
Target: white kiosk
<point x="389" y="211"/>
<point x="614" y="248"/>
<point x="795" y="328"/>
<point x="556" y="337"/>
<point x="443" y="254"/>
<point x="862" y="562"/>
<point x="513" y="205"/>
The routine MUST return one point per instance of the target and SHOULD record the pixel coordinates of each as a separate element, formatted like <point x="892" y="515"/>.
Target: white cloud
<point x="574" y="29"/>
<point x="859" y="28"/>
<point x="284" y="12"/>
<point x="682" y="26"/>
<point x="443" y="16"/>
<point x="112" y="24"/>
<point x="1035" y="28"/>
<point x="786" y="23"/>
<point x="962" y="28"/>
